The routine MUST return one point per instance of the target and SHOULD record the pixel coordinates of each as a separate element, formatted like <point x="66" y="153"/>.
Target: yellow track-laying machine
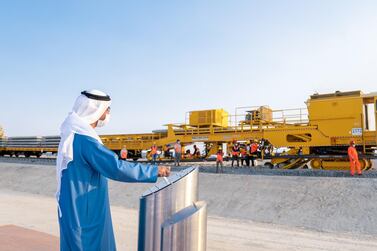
<point x="316" y="136"/>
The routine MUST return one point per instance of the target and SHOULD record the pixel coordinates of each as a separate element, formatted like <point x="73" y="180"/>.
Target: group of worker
<point x="154" y="152"/>
<point x="247" y="153"/>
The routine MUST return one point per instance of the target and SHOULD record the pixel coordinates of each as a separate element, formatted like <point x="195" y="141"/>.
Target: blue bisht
<point x="85" y="222"/>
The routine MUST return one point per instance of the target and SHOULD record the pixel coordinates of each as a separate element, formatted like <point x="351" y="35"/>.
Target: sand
<point x="245" y="212"/>
<point x="39" y="213"/>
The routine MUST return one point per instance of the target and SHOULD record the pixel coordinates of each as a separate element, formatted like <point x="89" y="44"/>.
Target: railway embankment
<point x="326" y="204"/>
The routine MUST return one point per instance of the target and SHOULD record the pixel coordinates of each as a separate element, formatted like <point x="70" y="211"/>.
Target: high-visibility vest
<point x="243" y="152"/>
<point x="352" y="154"/>
<point x="219" y="156"/>
<point x="253" y="148"/>
<point x="177" y="148"/>
<point x="153" y="149"/>
<point x="236" y="150"/>
<point x="123" y="153"/>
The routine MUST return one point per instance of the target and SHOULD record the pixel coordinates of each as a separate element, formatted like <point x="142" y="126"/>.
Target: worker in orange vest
<point x="235" y="153"/>
<point x="253" y="151"/>
<point x="354" y="159"/>
<point x="219" y="160"/>
<point x="243" y="155"/>
<point x="124" y="153"/>
<point x="154" y="153"/>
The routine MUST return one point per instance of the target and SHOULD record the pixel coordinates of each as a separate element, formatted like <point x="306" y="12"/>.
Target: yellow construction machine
<point x="315" y="136"/>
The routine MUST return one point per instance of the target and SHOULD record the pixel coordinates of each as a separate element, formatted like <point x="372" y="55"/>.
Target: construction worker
<point x="177" y="153"/>
<point x="154" y="153"/>
<point x="262" y="148"/>
<point x="253" y="151"/>
<point x="243" y="155"/>
<point x="235" y="154"/>
<point x="219" y="160"/>
<point x="187" y="154"/>
<point x="166" y="151"/>
<point x="124" y="153"/>
<point x="196" y="153"/>
<point x="247" y="157"/>
<point x="354" y="159"/>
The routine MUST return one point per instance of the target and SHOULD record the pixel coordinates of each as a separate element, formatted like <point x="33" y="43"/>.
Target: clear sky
<point x="160" y="59"/>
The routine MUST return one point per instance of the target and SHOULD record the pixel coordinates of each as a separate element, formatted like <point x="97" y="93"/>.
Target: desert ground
<point x="245" y="212"/>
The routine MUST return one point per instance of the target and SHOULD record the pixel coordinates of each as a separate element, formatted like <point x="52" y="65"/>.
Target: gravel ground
<point x="347" y="205"/>
<point x="210" y="167"/>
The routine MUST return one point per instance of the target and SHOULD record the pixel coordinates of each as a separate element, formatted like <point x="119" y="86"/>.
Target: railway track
<point x="52" y="160"/>
<point x="31" y="160"/>
<point x="208" y="167"/>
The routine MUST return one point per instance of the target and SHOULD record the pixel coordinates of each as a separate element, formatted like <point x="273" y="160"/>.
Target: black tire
<point x="269" y="165"/>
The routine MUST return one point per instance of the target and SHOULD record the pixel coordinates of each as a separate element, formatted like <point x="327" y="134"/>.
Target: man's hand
<point x="163" y="171"/>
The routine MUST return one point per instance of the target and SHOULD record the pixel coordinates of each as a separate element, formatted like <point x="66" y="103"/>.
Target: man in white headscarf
<point x="83" y="166"/>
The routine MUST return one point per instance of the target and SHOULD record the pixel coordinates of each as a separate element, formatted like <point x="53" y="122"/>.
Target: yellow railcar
<point x="317" y="135"/>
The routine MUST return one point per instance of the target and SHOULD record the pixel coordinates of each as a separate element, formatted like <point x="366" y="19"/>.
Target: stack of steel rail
<point x="50" y="142"/>
<point x="22" y="142"/>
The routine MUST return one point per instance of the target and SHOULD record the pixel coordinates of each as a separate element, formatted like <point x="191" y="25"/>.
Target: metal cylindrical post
<point x="162" y="201"/>
<point x="186" y="230"/>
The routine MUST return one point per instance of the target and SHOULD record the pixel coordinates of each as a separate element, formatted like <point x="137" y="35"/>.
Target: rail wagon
<point x="315" y="136"/>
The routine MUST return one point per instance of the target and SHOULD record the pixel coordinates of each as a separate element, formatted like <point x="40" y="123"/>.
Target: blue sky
<point x="160" y="59"/>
